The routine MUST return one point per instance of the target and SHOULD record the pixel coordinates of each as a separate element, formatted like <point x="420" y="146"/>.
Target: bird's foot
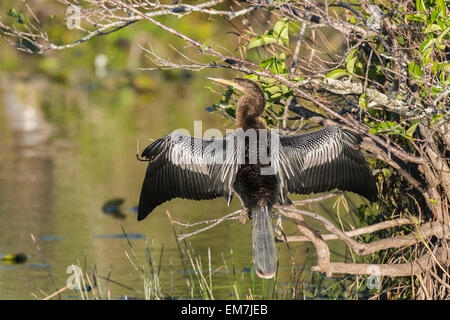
<point x="279" y="227"/>
<point x="244" y="216"/>
<point x="287" y="203"/>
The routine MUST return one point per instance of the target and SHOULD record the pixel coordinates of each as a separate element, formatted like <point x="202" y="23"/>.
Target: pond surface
<point x="65" y="151"/>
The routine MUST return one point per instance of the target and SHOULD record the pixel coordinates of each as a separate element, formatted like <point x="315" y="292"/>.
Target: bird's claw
<point x="244" y="216"/>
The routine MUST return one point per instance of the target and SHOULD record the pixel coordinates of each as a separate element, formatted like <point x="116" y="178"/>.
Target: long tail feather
<point x="264" y="251"/>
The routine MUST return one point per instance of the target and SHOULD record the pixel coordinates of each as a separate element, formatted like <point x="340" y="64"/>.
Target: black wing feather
<point x="182" y="167"/>
<point x="325" y="160"/>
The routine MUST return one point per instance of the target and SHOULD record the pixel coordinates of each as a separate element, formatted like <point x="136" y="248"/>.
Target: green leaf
<point x="413" y="127"/>
<point x="13" y="13"/>
<point x="362" y="101"/>
<point x="436" y="90"/>
<point x="387" y="127"/>
<point x="432" y="28"/>
<point x="230" y="111"/>
<point x="443" y="80"/>
<point x="434" y="15"/>
<point x="446" y="67"/>
<point x="426" y="44"/>
<point x="350" y="62"/>
<point x="441" y="37"/>
<point x="387" y="172"/>
<point x="415" y="71"/>
<point x="417" y="17"/>
<point x="281" y="31"/>
<point x="442" y="8"/>
<point x="203" y="47"/>
<point x="261" y="41"/>
<point x="443" y="24"/>
<point x="336" y="74"/>
<point x="436" y="118"/>
<point x="435" y="67"/>
<point x="275" y="64"/>
<point x="266" y="64"/>
<point x="272" y="90"/>
<point x="279" y="25"/>
<point x="420" y="6"/>
<point x="427" y="56"/>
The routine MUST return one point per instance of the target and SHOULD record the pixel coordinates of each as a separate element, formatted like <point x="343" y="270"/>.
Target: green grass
<point x="202" y="281"/>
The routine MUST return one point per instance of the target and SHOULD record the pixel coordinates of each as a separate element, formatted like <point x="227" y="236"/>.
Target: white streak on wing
<point x="286" y="164"/>
<point x="327" y="149"/>
<point x="182" y="155"/>
<point x="229" y="167"/>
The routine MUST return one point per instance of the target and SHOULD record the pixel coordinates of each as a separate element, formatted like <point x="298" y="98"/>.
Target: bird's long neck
<point x="249" y="111"/>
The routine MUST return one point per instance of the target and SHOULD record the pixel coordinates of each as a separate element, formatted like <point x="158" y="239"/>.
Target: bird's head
<point x="246" y="86"/>
<point x="251" y="105"/>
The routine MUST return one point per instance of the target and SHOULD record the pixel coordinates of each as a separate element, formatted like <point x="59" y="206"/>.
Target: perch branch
<point x="320" y="198"/>
<point x="364" y="230"/>
<point x="212" y="223"/>
<point x="416" y="267"/>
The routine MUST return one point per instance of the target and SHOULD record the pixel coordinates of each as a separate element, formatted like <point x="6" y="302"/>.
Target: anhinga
<point x="195" y="168"/>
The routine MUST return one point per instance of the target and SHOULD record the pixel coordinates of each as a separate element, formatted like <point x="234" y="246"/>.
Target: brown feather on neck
<point x="249" y="111"/>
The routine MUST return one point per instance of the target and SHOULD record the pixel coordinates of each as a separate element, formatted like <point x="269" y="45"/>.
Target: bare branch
<point x="212" y="223"/>
<point x="364" y="230"/>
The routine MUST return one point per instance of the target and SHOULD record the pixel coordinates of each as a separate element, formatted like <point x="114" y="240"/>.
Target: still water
<point x="67" y="150"/>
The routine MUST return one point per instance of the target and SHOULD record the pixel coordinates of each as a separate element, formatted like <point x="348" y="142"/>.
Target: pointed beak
<point x="223" y="81"/>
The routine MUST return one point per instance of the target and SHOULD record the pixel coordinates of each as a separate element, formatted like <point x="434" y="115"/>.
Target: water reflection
<point x="113" y="208"/>
<point x="26" y="170"/>
<point x="23" y="113"/>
